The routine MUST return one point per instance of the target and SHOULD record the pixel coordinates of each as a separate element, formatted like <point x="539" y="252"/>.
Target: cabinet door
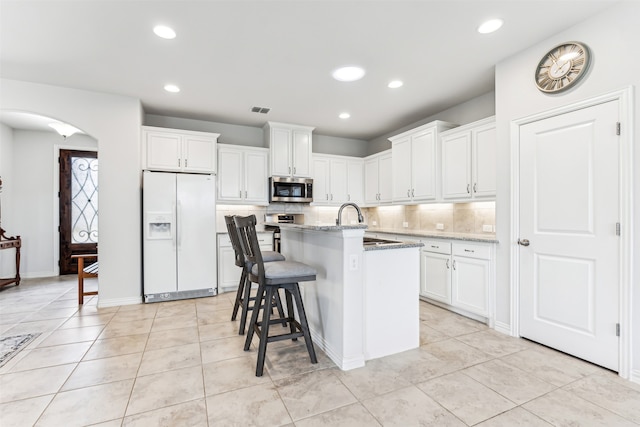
<point x="484" y="161"/>
<point x="385" y="178"/>
<point x="470" y="284"/>
<point x="456" y="166"/>
<point x="355" y="181"/>
<point x="199" y="154"/>
<point x="301" y="166"/>
<point x="401" y="166"/>
<point x="423" y="165"/>
<point x="338" y="181"/>
<point x="228" y="272"/>
<point x="321" y="180"/>
<point x="435" y="271"/>
<point x="280" y="152"/>
<point x="256" y="179"/>
<point x="230" y="169"/>
<point x="371" y="181"/>
<point x="164" y="151"/>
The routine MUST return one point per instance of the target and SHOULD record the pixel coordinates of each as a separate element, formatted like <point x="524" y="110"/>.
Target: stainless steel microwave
<point x="296" y="190"/>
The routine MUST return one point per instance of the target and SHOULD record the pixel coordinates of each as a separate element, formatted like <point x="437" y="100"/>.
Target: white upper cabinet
<point x="290" y="149"/>
<point x="178" y="150"/>
<point x="243" y="175"/>
<point x="337" y="179"/>
<point x="377" y="178"/>
<point x="415" y="162"/>
<point x="469" y="161"/>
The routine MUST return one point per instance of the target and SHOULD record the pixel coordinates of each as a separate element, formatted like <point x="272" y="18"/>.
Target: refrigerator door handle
<point x="179" y="225"/>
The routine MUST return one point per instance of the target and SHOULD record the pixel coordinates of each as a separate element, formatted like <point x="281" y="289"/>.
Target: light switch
<point x="439" y="226"/>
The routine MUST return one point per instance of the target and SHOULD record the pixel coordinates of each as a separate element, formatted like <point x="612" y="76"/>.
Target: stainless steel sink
<point x="372" y="241"/>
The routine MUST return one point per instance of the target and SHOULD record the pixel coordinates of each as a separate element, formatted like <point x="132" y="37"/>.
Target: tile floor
<point x="182" y="364"/>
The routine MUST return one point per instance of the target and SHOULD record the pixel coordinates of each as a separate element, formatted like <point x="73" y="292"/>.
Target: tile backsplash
<point x="472" y="217"/>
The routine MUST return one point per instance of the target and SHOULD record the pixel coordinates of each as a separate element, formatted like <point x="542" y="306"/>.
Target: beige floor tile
<point x="166" y="388"/>
<point x="52" y="356"/>
<point x="313" y="393"/>
<point x="121" y="329"/>
<point x="494" y="343"/>
<point x="551" y="366"/>
<point x="224" y="348"/>
<point x="372" y="380"/>
<point x="113" y="423"/>
<point x="101" y="371"/>
<point x="454" y="326"/>
<point x="172" y="338"/>
<point x="117" y="346"/>
<point x="88" y="405"/>
<point x="23" y="412"/>
<point x="177" y="309"/>
<point x="429" y="335"/>
<point x="50" y="313"/>
<point x="607" y="393"/>
<point x="287" y="358"/>
<point x="168" y="359"/>
<point x="417" y="365"/>
<point x="513" y="383"/>
<point x="216" y="315"/>
<point x="85" y="320"/>
<point x="92" y="310"/>
<point x="124" y="316"/>
<point x="409" y="407"/>
<point x="455" y="353"/>
<point x="231" y="374"/>
<point x="516" y="417"/>
<point x="258" y="405"/>
<point x="218" y="330"/>
<point x="467" y="399"/>
<point x="31" y="327"/>
<point x="193" y="413"/>
<point x="174" y="322"/>
<point x="347" y="416"/>
<point x="72" y="335"/>
<point x="562" y="408"/>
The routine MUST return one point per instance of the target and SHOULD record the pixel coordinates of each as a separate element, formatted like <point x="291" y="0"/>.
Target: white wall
<point x="34" y="199"/>
<point x="7" y="257"/>
<point x="114" y="121"/>
<point x="612" y="38"/>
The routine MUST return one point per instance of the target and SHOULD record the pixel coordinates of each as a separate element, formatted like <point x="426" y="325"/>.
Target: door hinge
<point x="617" y="329"/>
<point x="618" y="128"/>
<point x="617" y="228"/>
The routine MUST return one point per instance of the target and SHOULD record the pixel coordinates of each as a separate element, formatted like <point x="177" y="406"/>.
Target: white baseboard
<point x="635" y="376"/>
<point x="37" y="274"/>
<point x="502" y="327"/>
<point x="113" y="302"/>
<point x="344" y="364"/>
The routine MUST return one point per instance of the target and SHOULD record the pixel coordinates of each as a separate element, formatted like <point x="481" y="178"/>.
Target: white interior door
<point x="569" y="208"/>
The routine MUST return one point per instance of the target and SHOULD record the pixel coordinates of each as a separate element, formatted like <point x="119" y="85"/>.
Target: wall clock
<point x="562" y="67"/>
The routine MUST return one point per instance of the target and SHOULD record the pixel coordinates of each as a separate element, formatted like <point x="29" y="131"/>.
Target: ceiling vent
<point x="262" y="110"/>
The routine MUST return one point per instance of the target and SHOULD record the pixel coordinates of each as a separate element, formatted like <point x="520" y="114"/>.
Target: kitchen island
<point x="364" y="302"/>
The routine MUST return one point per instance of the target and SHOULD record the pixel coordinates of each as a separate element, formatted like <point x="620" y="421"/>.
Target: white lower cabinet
<point x="228" y="272"/>
<point x="458" y="274"/>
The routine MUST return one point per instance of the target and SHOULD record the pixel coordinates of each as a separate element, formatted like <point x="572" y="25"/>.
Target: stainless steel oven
<point x="291" y="190"/>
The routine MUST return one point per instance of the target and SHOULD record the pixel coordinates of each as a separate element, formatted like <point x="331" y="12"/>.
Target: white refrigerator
<point x="179" y="226"/>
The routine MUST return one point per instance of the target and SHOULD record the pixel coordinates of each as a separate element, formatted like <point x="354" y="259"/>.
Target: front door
<point x="569" y="247"/>
<point x="78" y="206"/>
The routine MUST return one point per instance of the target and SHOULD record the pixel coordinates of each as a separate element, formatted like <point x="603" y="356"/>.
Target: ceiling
<point x="230" y="56"/>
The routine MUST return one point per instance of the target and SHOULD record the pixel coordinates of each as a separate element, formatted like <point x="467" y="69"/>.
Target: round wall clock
<point x="562" y="67"/>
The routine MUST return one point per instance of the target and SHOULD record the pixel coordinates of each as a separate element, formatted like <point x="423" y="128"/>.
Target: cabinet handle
<point x="178" y="162"/>
<point x="332" y="197"/>
<point x="412" y="195"/>
<point x="475" y="187"/>
<point x="185" y="162"/>
<point x="454" y="264"/>
<point x="408" y="193"/>
<point x="294" y="169"/>
<point x="469" y="250"/>
<point x="447" y="264"/>
<point x="327" y="196"/>
<point x="436" y="247"/>
<point x="289" y="169"/>
<point x="245" y="194"/>
<point x="240" y="194"/>
<point x="468" y="188"/>
<point x="348" y="197"/>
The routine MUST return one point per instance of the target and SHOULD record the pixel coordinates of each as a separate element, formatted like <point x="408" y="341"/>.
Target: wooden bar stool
<point x="243" y="295"/>
<point x="90" y="270"/>
<point x="271" y="277"/>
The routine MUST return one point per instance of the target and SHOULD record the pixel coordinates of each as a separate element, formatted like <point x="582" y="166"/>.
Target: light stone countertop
<point x="469" y="237"/>
<point x="319" y="227"/>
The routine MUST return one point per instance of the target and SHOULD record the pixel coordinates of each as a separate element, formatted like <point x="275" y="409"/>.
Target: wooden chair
<point x="90" y="270"/>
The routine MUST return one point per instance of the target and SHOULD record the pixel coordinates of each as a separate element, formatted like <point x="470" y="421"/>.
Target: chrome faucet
<point x="360" y="218"/>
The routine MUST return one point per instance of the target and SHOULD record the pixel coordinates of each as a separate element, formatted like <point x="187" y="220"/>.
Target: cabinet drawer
<point x="437" y="247"/>
<point x="472" y="251"/>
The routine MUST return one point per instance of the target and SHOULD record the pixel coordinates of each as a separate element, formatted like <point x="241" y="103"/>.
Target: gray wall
<point x="467" y="112"/>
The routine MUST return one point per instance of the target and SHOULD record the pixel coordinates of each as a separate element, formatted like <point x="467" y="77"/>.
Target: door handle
<point x="523" y="242"/>
<point x="468" y="188"/>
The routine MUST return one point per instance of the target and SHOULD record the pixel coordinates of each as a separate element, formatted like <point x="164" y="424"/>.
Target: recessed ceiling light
<point x="344" y="115"/>
<point x="348" y="74"/>
<point x="172" y="88"/>
<point x="490" y="26"/>
<point x="394" y="84"/>
<point x="164" y="32"/>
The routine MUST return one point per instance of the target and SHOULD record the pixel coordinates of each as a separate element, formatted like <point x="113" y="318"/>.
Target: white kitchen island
<point x="364" y="302"/>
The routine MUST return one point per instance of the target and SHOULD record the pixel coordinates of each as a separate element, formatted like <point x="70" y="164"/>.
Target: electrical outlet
<point x="405" y="224"/>
<point x="353" y="262"/>
<point x="353" y="221"/>
<point x="439" y="226"/>
<point x="374" y="222"/>
<point x="487" y="228"/>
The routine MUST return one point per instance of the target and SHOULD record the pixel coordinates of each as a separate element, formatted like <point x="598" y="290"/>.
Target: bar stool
<point x="271" y="277"/>
<point x="243" y="295"/>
